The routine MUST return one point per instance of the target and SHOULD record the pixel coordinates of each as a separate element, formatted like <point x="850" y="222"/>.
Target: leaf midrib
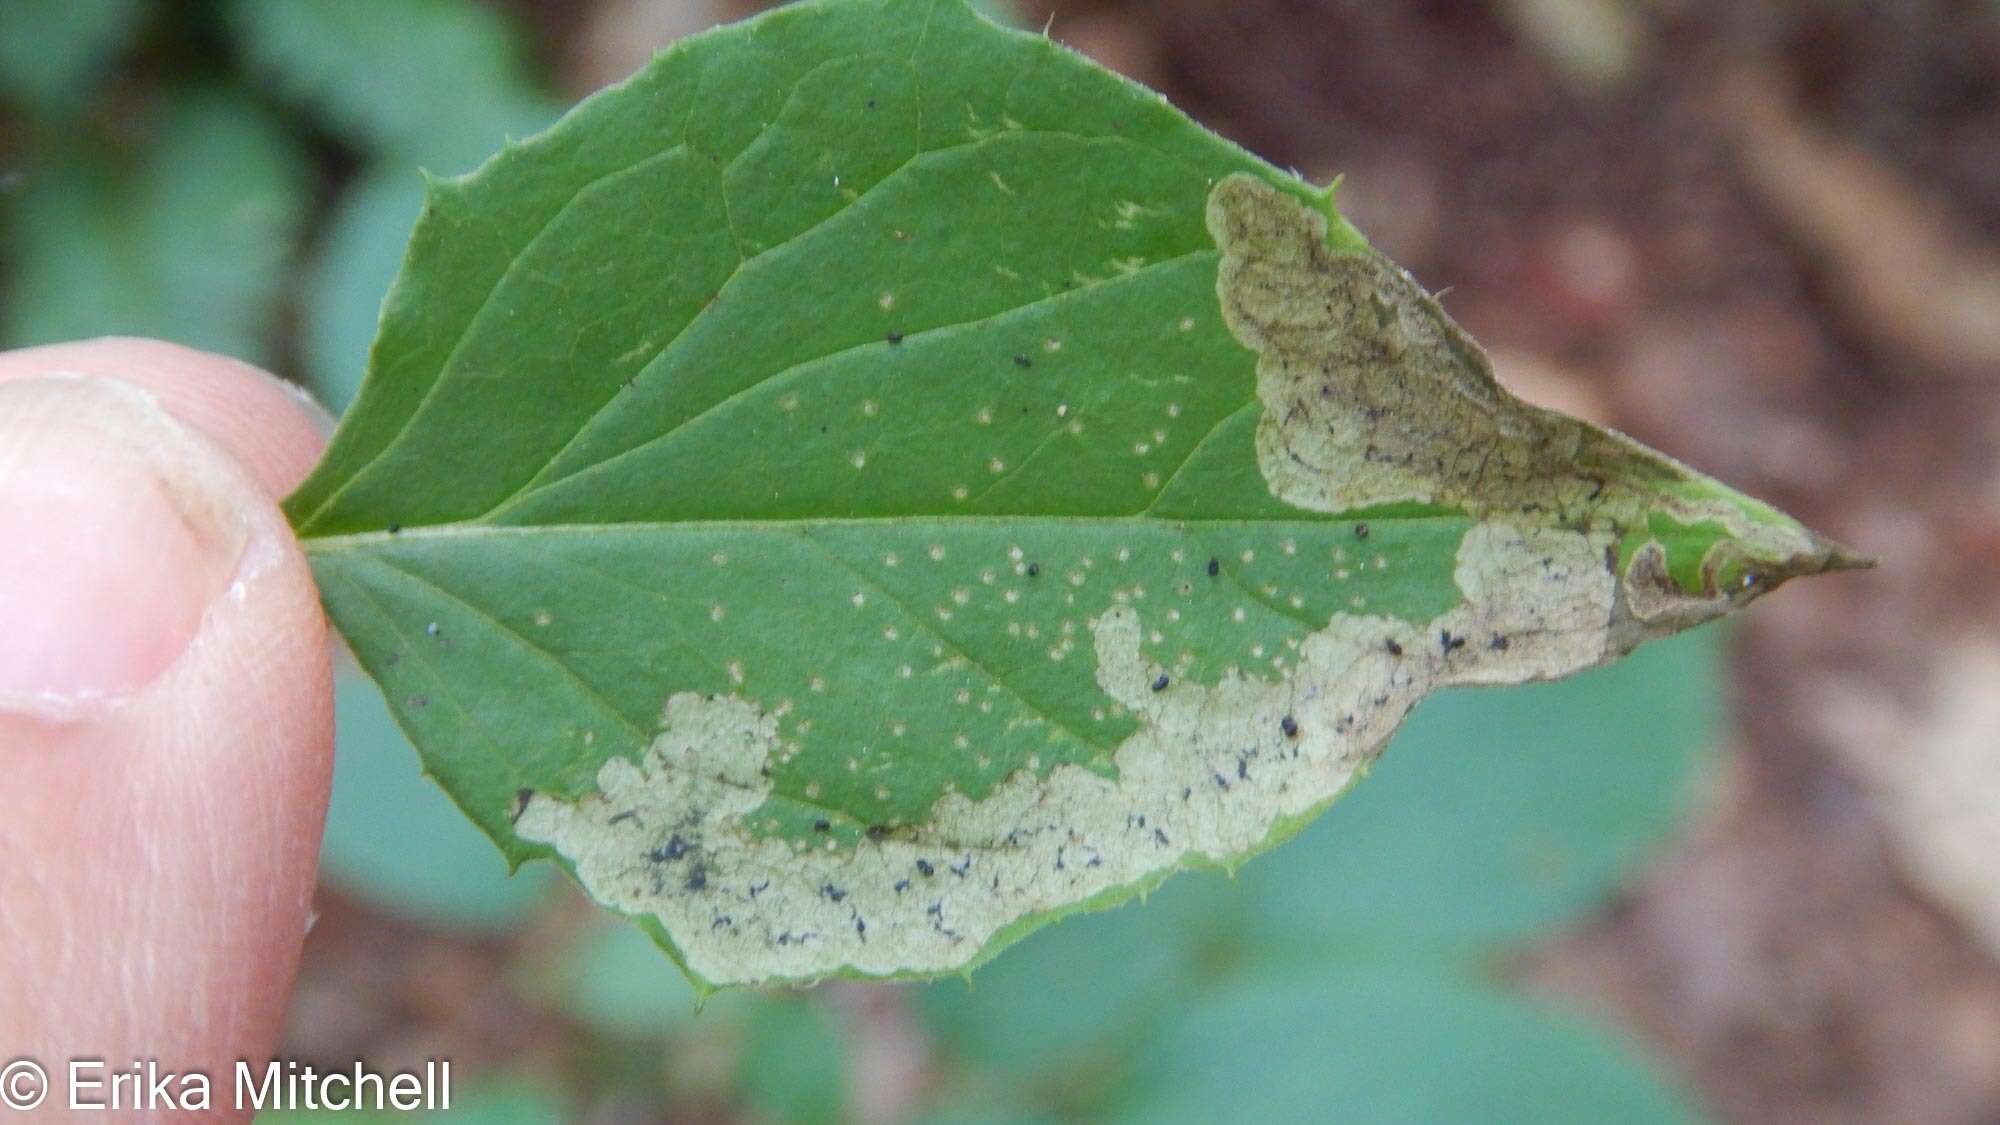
<point x="357" y="541"/>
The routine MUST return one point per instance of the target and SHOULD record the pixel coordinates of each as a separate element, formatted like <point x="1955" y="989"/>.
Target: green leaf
<point x="191" y="244"/>
<point x="794" y="1066"/>
<point x="1386" y="1045"/>
<point x="383" y="812"/>
<point x="877" y="482"/>
<point x="1021" y="1021"/>
<point x="436" y="82"/>
<point x="52" y="52"/>
<point x="617" y="984"/>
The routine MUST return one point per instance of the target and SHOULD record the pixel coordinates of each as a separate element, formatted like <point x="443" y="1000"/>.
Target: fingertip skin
<point x="271" y="427"/>
<point x="159" y="840"/>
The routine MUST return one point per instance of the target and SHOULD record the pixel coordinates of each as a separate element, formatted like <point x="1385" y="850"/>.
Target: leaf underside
<point x="876" y="482"/>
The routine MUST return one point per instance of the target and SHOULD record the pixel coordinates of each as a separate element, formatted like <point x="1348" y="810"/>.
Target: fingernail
<point x="117" y="532"/>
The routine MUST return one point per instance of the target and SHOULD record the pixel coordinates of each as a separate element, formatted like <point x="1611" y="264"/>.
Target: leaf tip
<point x="1833" y="556"/>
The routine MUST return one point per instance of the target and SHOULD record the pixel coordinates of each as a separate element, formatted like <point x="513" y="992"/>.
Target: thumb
<point x="165" y="710"/>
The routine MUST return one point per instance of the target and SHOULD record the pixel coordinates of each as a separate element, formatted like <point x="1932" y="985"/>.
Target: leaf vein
<point x="443" y="687"/>
<point x="804" y="366"/>
<point x="1168" y="484"/>
<point x="485" y="303"/>
<point x="918" y="621"/>
<point x="519" y="638"/>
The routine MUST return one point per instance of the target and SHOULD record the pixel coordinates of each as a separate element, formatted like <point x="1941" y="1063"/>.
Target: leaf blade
<point x="992" y="496"/>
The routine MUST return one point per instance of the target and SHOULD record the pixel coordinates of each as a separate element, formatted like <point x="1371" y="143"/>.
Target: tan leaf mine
<point x="1371" y="395"/>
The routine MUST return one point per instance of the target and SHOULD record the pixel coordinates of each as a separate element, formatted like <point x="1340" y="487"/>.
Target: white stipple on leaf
<point x="1370" y="396"/>
<point x="982" y="465"/>
<point x="1213" y="770"/>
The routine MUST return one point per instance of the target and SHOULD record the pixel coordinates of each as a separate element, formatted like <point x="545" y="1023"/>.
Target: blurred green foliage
<point x="418" y="81"/>
<point x="343" y="289"/>
<point x="615" y="983"/>
<point x="1383" y="1044"/>
<point x="187" y="235"/>
<point x="53" y="52"/>
<point x="405" y="85"/>
<point x="794" y="1064"/>
<point x="242" y="176"/>
<point x="1358" y="965"/>
<point x="1497" y="816"/>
